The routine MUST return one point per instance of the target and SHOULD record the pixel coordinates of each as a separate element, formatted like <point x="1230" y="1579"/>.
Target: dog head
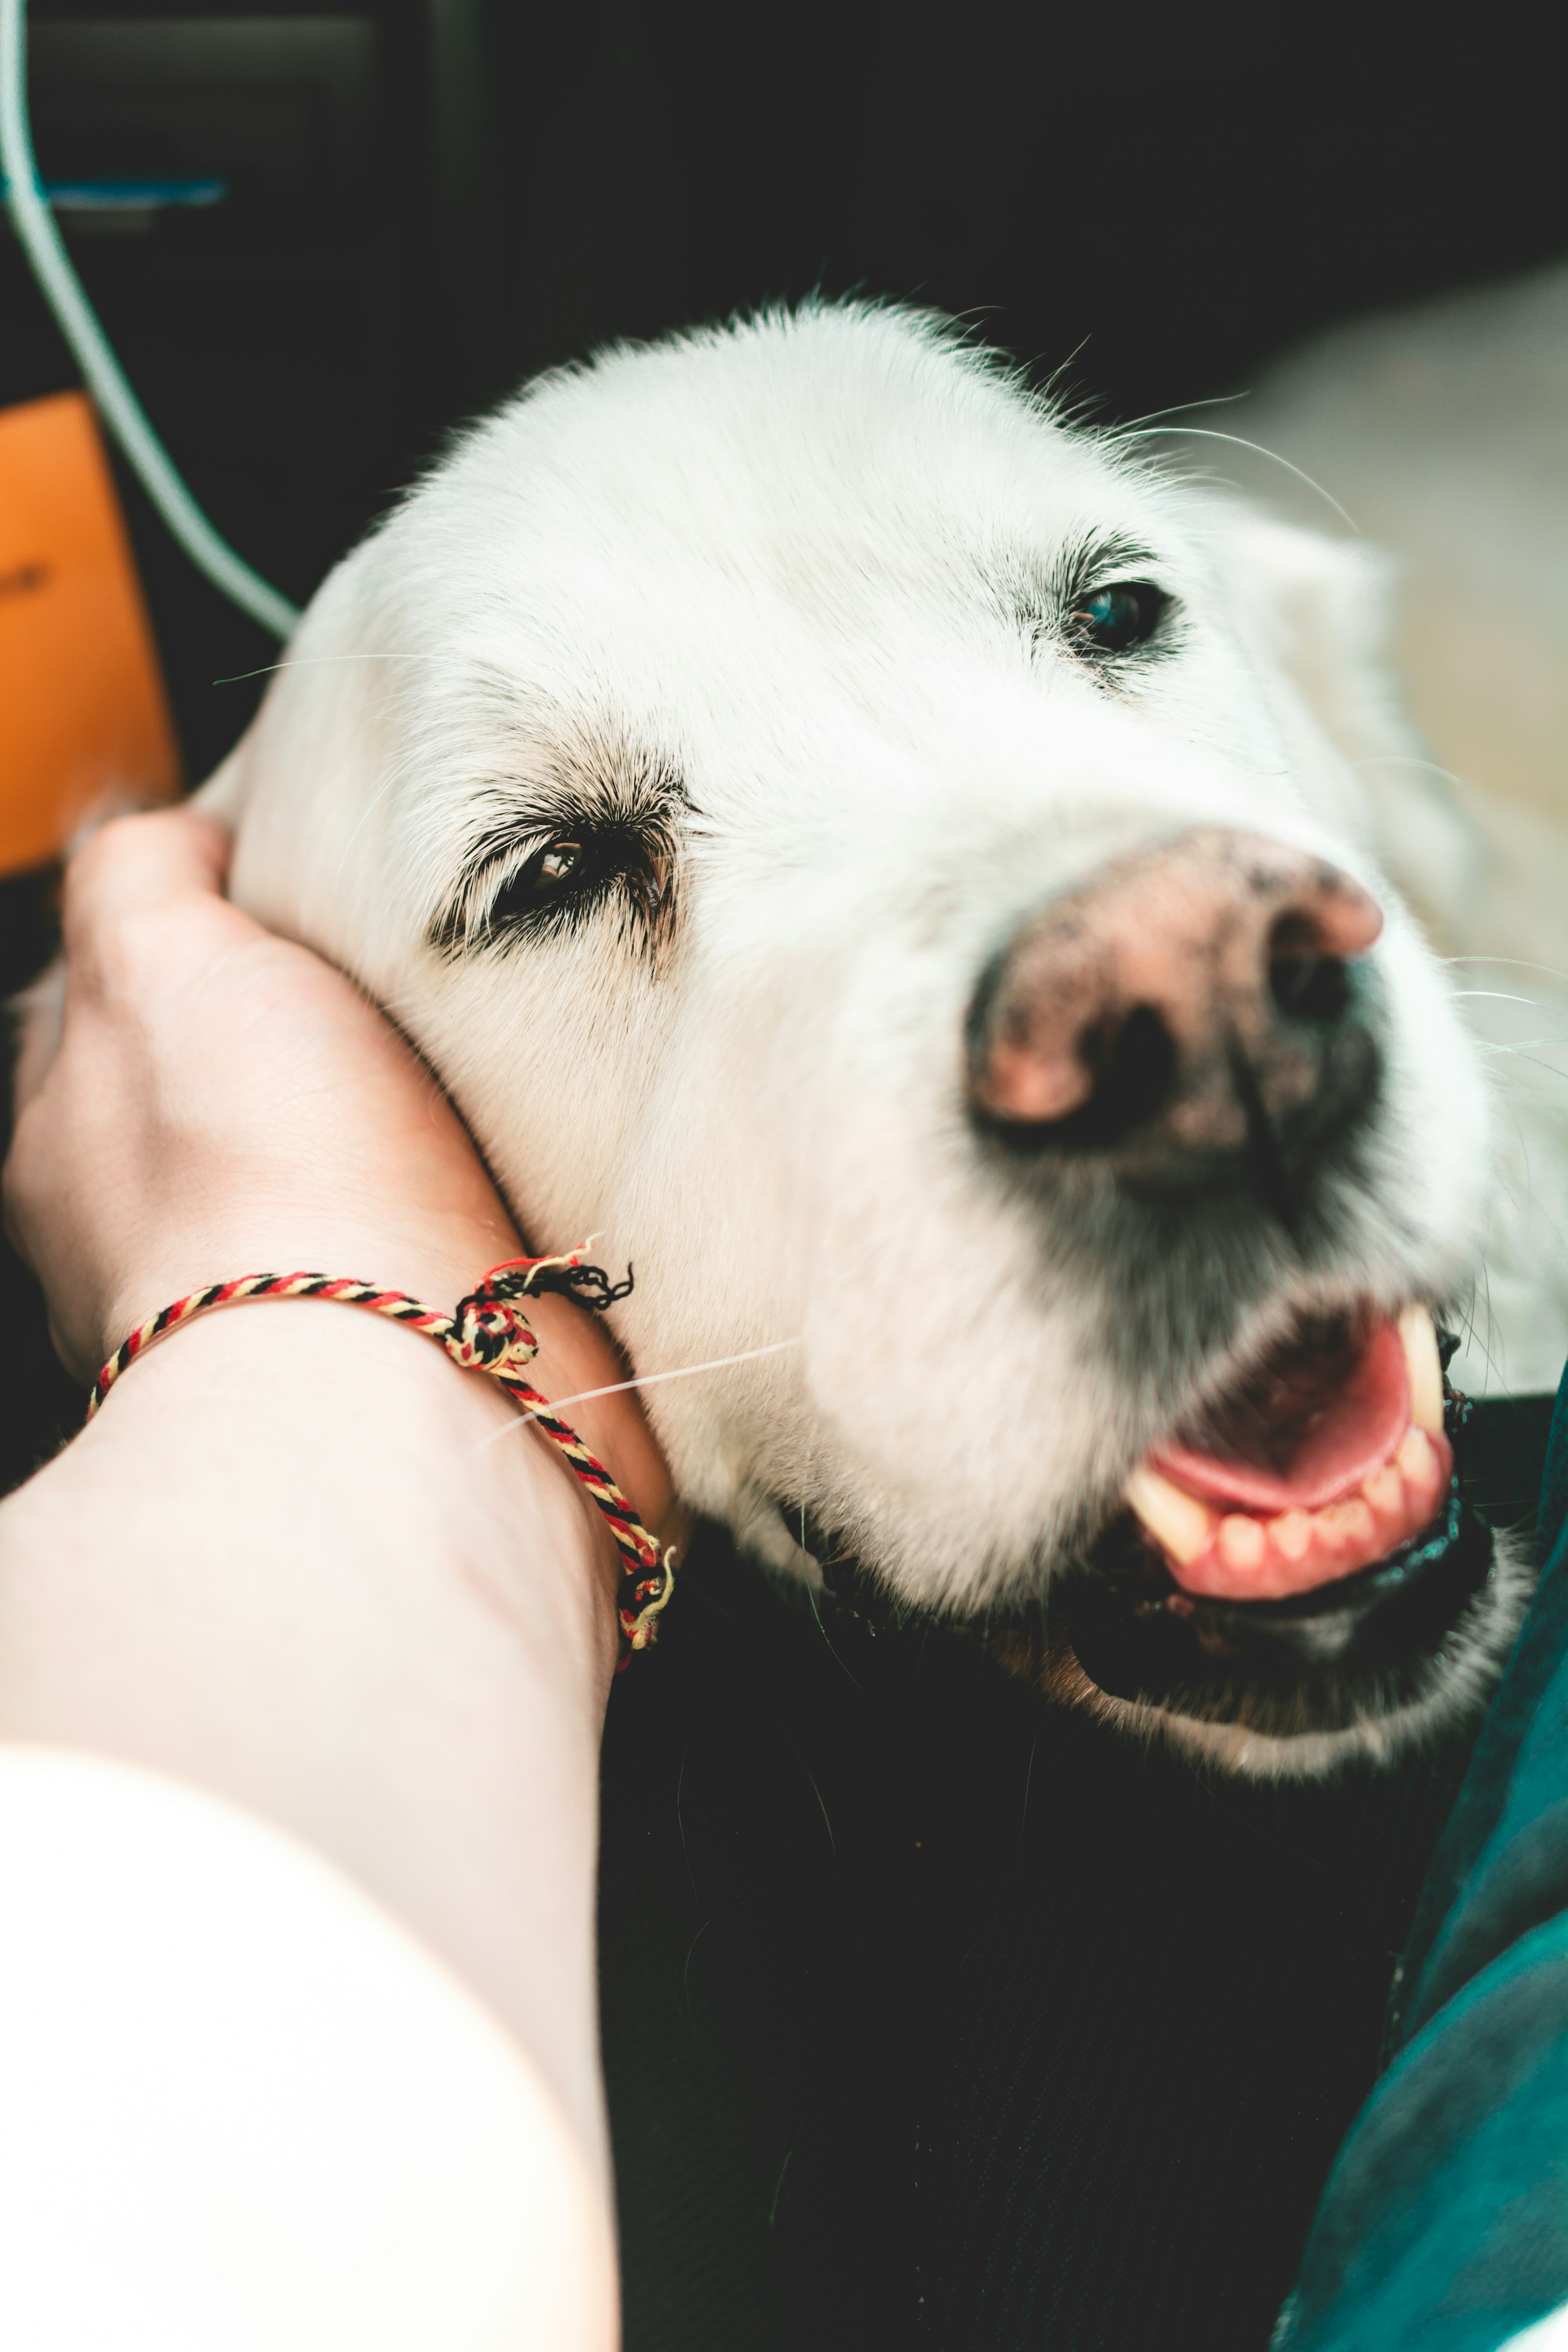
<point x="894" y="866"/>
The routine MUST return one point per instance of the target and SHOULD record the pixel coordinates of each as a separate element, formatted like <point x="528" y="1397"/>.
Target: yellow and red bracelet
<point x="485" y="1333"/>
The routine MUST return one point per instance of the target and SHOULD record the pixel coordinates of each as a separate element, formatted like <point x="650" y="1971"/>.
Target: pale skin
<point x="301" y="1562"/>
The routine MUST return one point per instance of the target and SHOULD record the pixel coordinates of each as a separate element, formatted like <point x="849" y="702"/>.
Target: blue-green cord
<point x="118" y="405"/>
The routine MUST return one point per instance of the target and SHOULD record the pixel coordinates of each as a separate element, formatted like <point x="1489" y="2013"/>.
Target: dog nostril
<point x="1305" y="983"/>
<point x="1132" y="1063"/>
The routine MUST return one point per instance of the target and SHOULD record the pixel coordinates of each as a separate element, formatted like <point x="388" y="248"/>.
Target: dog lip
<point x="1318" y="1662"/>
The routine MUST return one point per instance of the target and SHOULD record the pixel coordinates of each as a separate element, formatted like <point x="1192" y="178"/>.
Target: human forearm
<point x="397" y="1647"/>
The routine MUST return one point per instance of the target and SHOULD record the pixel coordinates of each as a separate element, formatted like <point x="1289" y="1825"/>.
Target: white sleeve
<point x="241" y="2109"/>
<point x="1547" y="2335"/>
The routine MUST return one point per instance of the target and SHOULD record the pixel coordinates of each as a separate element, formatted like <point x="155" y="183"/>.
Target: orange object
<point x="84" y="720"/>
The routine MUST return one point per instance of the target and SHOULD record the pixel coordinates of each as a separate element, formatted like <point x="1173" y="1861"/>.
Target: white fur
<point x="764" y="552"/>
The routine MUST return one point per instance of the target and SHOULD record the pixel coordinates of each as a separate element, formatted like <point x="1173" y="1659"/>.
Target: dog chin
<point x="1267" y="1730"/>
<point x="1430" y="1665"/>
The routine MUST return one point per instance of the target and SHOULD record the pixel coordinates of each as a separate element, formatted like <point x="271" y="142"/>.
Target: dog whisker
<point x="778" y="2186"/>
<point x="1516" y="963"/>
<point x="1492" y="1362"/>
<point x="1183" y="408"/>
<point x="1408" y="760"/>
<point x="1517" y="1053"/>
<point x="827" y="1638"/>
<point x="307" y="661"/>
<point x="373" y="802"/>
<point x="1204" y="432"/>
<point x="1028" y="1781"/>
<point x="815" y="1792"/>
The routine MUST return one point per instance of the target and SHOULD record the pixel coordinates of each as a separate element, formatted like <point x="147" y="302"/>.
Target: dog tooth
<point x="1292" y="1535"/>
<point x="1413" y="1458"/>
<point x="1329" y="1526"/>
<point x="1384" y="1492"/>
<point x="1425" y="1466"/>
<point x="1355" y="1529"/>
<point x="1185" y="1526"/>
<point x="1241" y="1541"/>
<point x="1419" y="1340"/>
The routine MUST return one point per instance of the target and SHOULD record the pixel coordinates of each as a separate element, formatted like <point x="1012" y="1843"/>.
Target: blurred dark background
<point x="420" y="203"/>
<point x="426" y="200"/>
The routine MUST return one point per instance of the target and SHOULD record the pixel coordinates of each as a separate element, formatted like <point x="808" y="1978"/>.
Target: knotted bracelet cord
<point x="487" y="1332"/>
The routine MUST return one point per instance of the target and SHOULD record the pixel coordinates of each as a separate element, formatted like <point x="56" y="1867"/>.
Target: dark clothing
<point x="1446" y="2221"/>
<point x="934" y="2015"/>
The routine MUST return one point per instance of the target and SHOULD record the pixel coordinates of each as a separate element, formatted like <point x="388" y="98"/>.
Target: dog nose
<point x="1188" y="1003"/>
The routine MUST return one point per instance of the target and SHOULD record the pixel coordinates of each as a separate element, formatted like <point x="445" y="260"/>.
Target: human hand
<point x="220" y="1102"/>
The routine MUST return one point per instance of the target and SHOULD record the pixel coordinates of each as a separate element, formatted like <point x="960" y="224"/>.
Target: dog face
<point x="889" y="864"/>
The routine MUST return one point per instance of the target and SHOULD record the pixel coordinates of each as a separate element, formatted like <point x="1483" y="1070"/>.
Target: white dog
<point x="896" y="868"/>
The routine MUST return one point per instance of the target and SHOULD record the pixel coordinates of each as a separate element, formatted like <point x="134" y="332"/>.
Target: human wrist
<point x="437" y="1264"/>
<point x="366" y="1418"/>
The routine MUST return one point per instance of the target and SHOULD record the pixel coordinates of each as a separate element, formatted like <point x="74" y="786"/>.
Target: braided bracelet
<point x="487" y="1333"/>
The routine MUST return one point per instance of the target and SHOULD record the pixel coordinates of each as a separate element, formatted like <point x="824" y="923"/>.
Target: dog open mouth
<point x="1296" y="1564"/>
<point x="1332" y="1456"/>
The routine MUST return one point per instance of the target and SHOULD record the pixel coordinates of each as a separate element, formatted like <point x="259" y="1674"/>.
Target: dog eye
<point x="532" y="874"/>
<point x="563" y="881"/>
<point x="544" y="881"/>
<point x="560" y="862"/>
<point x="1115" y="619"/>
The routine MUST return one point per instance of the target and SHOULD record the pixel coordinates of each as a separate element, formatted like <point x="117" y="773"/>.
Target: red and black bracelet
<point x="486" y="1332"/>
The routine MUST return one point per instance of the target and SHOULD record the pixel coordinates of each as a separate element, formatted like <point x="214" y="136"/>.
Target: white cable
<point x="41" y="241"/>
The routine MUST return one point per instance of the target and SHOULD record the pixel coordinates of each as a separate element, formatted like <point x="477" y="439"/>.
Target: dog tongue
<point x="1313" y="1425"/>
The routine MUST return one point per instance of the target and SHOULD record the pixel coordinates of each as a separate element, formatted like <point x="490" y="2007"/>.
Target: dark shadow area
<point x="933" y="2014"/>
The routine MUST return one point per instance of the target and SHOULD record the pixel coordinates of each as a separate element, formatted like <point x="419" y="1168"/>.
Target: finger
<point x="135" y="863"/>
<point x="40" y="1021"/>
<point x="23" y="1191"/>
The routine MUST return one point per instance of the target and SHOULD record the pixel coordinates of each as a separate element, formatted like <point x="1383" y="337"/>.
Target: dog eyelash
<point x="1097" y="603"/>
<point x="1108" y="611"/>
<point x="555" y="880"/>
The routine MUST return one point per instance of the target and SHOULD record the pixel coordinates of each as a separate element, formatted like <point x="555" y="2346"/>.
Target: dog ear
<point x="1322" y="608"/>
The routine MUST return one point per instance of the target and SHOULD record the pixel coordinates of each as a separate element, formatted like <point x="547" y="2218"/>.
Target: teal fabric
<point x="1445" y="2222"/>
